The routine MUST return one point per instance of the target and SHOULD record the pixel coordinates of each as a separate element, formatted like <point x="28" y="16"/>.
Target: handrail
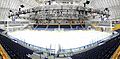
<point x="116" y="54"/>
<point x="4" y="53"/>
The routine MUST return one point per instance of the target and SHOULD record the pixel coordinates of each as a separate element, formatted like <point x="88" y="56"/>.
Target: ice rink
<point x="66" y="39"/>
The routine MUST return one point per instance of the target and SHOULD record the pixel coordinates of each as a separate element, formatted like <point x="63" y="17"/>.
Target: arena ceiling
<point x="6" y="5"/>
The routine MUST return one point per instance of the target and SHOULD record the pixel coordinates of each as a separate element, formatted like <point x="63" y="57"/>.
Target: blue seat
<point x="14" y="50"/>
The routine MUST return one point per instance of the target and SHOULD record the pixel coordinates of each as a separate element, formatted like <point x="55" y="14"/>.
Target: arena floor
<point x="65" y="39"/>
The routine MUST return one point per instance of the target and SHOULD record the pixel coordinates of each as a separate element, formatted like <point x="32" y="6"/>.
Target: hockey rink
<point x="65" y="39"/>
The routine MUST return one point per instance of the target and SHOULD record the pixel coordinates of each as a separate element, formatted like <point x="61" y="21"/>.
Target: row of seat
<point x="104" y="51"/>
<point x="14" y="50"/>
<point x="65" y="27"/>
<point x="1" y="30"/>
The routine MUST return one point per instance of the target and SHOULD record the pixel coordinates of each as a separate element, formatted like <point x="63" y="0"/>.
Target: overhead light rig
<point x="60" y="11"/>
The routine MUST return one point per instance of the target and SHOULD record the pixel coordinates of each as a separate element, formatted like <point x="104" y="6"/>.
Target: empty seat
<point x="104" y="51"/>
<point x="14" y="50"/>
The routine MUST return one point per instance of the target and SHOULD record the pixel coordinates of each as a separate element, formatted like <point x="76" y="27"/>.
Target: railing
<point x="4" y="53"/>
<point x="63" y="51"/>
<point x="64" y="29"/>
<point x="116" y="54"/>
<point x="87" y="47"/>
<point x="30" y="46"/>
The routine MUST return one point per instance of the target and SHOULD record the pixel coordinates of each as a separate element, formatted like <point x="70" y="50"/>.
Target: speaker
<point x="22" y="6"/>
<point x="10" y="10"/>
<point x="106" y="8"/>
<point x="87" y="2"/>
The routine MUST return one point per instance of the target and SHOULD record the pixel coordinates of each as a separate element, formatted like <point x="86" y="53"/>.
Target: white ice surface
<point x="66" y="39"/>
